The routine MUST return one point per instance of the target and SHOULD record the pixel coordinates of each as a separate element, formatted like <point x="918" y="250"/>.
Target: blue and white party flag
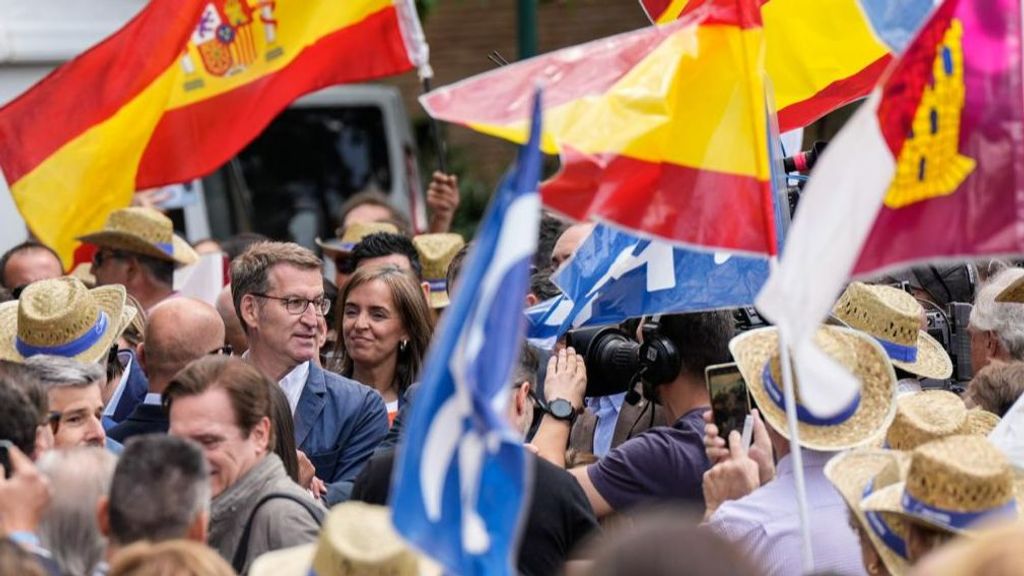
<point x="460" y="486"/>
<point x="614" y="276"/>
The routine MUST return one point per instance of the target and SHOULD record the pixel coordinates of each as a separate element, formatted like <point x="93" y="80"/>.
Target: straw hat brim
<point x="110" y="299"/>
<point x="439" y="299"/>
<point x="888" y="501"/>
<point x="83" y="272"/>
<point x="876" y="409"/>
<point x="1014" y="293"/>
<point x="118" y="240"/>
<point x="932" y="360"/>
<point x="298" y="561"/>
<point x="850" y="473"/>
<point x="980" y="422"/>
<point x="335" y="247"/>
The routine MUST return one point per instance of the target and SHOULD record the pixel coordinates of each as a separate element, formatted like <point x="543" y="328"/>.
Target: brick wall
<point x="462" y="32"/>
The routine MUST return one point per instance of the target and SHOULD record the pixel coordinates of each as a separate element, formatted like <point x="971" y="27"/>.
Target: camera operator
<point x="996" y="328"/>
<point x="663" y="463"/>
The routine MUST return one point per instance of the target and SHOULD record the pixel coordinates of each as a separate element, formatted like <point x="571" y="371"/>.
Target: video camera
<point x="949" y="327"/>
<point x="615" y="361"/>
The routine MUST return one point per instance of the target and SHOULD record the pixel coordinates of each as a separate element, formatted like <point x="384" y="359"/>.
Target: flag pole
<point x="435" y="132"/>
<point x="807" y="555"/>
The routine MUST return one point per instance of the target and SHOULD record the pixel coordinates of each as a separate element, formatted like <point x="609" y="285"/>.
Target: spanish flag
<point x="821" y="54"/>
<point x="177" y="92"/>
<point x="929" y="169"/>
<point x="662" y="130"/>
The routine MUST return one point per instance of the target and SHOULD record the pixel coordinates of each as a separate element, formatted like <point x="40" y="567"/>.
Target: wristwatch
<point x="561" y="409"/>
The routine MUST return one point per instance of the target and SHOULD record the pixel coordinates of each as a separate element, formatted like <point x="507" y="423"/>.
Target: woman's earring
<point x="403" y="345"/>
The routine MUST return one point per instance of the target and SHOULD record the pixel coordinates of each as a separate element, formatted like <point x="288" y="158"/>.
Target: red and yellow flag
<point x="177" y="92"/>
<point x="662" y="130"/>
<point x="820" y="54"/>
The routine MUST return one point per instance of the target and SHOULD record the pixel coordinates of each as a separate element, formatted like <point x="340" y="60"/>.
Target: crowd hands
<point x="148" y="432"/>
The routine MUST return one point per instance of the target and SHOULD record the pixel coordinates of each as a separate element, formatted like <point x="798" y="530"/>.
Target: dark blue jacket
<point x="338" y="424"/>
<point x="145" y="419"/>
<point x="134" y="393"/>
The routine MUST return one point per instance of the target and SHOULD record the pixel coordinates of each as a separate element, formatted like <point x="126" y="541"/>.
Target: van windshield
<point x="307" y="162"/>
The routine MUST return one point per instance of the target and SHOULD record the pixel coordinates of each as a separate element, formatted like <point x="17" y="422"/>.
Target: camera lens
<point x="610" y="356"/>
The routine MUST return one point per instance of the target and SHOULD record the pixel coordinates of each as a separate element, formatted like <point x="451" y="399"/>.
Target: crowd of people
<point x="145" y="432"/>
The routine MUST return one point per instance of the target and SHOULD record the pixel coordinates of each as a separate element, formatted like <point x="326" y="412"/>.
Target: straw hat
<point x="83" y="272"/>
<point x="436" y="252"/>
<point x="354" y="233"/>
<point x="957" y="484"/>
<point x="757" y="356"/>
<point x="893" y="317"/>
<point x="925" y="416"/>
<point x="980" y="422"/>
<point x="61" y="317"/>
<point x="357" y="539"/>
<point x="1014" y="293"/>
<point x="143" y="231"/>
<point x="858" y="473"/>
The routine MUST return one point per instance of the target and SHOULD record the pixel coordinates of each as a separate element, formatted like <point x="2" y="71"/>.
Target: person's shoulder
<point x="285" y="498"/>
<point x="341" y="386"/>
<point x="738" y="520"/>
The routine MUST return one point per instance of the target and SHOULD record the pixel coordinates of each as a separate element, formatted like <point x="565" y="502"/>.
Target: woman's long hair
<point x="413" y="312"/>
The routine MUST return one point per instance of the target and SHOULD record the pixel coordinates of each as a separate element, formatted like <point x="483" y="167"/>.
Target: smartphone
<point x="5" y="459"/>
<point x="730" y="402"/>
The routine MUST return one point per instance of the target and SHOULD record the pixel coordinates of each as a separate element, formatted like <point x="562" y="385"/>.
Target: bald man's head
<point x="569" y="241"/>
<point x="179" y="331"/>
<point x="234" y="333"/>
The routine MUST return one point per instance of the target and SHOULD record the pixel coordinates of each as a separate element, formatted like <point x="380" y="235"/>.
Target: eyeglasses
<point x="298" y="306"/>
<point x="224" y="350"/>
<point x="102" y="256"/>
<point x="53" y="419"/>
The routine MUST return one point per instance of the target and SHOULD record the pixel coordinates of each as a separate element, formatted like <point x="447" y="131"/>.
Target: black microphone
<point x="805" y="160"/>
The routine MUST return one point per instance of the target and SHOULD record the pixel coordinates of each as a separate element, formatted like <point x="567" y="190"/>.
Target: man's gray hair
<point x="60" y="372"/>
<point x="69" y="529"/>
<point x="160" y="486"/>
<point x="1006" y="320"/>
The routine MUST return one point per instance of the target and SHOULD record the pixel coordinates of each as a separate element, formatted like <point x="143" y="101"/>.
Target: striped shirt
<point x="766" y="523"/>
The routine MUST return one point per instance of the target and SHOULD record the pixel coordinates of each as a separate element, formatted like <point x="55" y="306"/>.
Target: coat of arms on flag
<point x="230" y="36"/>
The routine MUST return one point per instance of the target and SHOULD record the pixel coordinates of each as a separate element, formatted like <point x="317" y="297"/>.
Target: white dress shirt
<point x="293" y="382"/>
<point x="766" y="523"/>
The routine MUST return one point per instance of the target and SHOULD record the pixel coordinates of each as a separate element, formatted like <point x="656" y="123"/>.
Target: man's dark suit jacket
<point x="145" y="419"/>
<point x="338" y="424"/>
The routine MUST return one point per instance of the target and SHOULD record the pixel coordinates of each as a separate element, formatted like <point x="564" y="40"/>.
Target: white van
<point x="288" y="183"/>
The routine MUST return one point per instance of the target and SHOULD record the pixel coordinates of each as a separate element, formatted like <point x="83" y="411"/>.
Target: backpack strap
<point x="238" y="560"/>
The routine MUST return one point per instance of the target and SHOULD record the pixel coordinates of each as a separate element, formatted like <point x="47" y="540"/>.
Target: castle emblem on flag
<point x="228" y="40"/>
<point x="930" y="164"/>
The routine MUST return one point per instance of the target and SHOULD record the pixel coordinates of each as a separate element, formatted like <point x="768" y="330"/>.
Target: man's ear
<point x="250" y="311"/>
<point x="426" y="291"/>
<point x="103" y="515"/>
<point x="522" y="397"/>
<point x="141" y="353"/>
<point x="262" y="432"/>
<point x="531" y="299"/>
<point x="197" y="530"/>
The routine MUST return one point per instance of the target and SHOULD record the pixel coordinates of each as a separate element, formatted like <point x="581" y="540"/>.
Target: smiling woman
<point x="385" y="327"/>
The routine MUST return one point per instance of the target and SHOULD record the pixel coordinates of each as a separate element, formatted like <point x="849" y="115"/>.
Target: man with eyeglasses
<point x="179" y="331"/>
<point x="278" y="293"/>
<point x="74" y="390"/>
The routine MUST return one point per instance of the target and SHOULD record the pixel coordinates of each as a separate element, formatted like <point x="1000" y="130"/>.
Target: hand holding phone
<point x="730" y="403"/>
<point x="24" y="492"/>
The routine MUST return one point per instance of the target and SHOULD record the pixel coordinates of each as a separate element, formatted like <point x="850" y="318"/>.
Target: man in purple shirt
<point x="665" y="462"/>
